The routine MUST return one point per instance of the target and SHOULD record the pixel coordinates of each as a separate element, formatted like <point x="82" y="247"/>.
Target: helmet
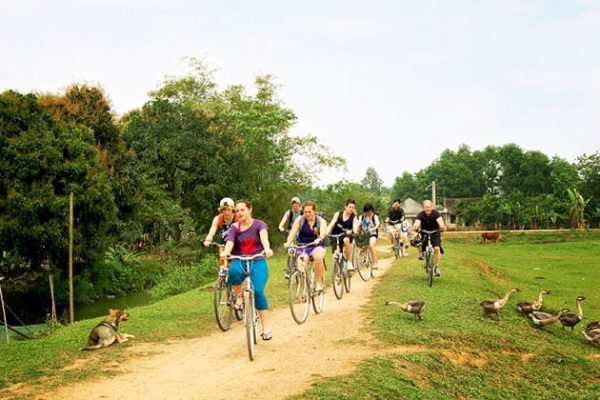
<point x="226" y="202"/>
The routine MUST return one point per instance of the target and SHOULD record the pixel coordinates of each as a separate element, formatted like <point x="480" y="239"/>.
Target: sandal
<point x="239" y="306"/>
<point x="266" y="336"/>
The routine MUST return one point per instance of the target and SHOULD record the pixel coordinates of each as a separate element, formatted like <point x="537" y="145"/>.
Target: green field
<point x="464" y="354"/>
<point x="468" y="355"/>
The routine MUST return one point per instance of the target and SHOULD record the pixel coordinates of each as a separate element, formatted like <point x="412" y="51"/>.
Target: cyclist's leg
<point x="318" y="255"/>
<point x="390" y="231"/>
<point x="348" y="252"/>
<point x="259" y="275"/>
<point x="235" y="277"/>
<point x="372" y="242"/>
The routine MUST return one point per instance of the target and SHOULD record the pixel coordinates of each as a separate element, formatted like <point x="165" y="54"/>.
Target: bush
<point x="178" y="279"/>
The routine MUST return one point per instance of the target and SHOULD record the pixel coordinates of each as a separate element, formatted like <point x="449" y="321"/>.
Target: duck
<point x="541" y="319"/>
<point x="495" y="305"/>
<point x="570" y="318"/>
<point x="594" y="325"/>
<point x="528" y="306"/>
<point x="414" y="307"/>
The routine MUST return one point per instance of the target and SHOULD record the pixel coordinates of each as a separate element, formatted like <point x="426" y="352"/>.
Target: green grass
<point x="468" y="355"/>
<point x="186" y="315"/>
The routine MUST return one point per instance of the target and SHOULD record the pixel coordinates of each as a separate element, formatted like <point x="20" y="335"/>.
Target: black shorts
<point x="340" y="240"/>
<point x="436" y="240"/>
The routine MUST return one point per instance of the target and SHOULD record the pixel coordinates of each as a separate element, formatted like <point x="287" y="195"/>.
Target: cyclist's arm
<point x="293" y="232"/>
<point x="416" y="226"/>
<point x="333" y="221"/>
<point x="227" y="250"/>
<point x="264" y="239"/>
<point x="376" y="221"/>
<point x="355" y="224"/>
<point x="283" y="221"/>
<point x="441" y="224"/>
<point x="323" y="229"/>
<point x="212" y="231"/>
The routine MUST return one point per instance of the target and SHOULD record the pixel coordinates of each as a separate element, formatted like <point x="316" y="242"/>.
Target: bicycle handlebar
<point x="429" y="232"/>
<point x="215" y="244"/>
<point x="304" y="245"/>
<point x="246" y="258"/>
<point x="339" y="235"/>
<point x="394" y="221"/>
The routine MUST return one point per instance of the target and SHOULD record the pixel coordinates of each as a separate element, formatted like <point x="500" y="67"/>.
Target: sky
<point x="384" y="84"/>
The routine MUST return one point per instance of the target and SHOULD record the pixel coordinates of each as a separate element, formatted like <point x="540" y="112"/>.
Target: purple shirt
<point x="246" y="243"/>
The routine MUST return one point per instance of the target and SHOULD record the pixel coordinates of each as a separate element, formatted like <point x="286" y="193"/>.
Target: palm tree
<point x="576" y="209"/>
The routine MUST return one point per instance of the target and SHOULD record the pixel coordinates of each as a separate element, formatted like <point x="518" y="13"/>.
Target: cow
<point x="490" y="236"/>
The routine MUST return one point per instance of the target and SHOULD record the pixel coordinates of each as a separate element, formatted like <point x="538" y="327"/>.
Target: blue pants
<point x="259" y="273"/>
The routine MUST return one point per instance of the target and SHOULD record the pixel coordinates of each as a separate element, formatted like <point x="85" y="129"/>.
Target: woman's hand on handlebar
<point x="269" y="253"/>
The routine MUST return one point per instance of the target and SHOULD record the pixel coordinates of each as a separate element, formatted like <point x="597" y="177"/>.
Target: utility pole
<point x="71" y="311"/>
<point x="433" y="194"/>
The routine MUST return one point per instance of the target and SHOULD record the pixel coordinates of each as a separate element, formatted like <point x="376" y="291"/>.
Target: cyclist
<point x="248" y="237"/>
<point x="290" y="215"/>
<point x="310" y="228"/>
<point x="430" y="220"/>
<point x="394" y="217"/>
<point x="345" y="221"/>
<point x="222" y="222"/>
<point x="369" y="223"/>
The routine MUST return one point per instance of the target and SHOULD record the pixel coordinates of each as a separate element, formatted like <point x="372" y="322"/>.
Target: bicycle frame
<point x="249" y="310"/>
<point x="429" y="254"/>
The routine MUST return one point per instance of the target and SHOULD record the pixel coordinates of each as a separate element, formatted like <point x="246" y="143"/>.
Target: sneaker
<point x="350" y="267"/>
<point x="406" y="254"/>
<point x="437" y="271"/>
<point x="374" y="266"/>
<point x="287" y="276"/>
<point x="421" y="257"/>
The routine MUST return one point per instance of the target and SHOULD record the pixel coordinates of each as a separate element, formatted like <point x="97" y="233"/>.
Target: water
<point x="100" y="307"/>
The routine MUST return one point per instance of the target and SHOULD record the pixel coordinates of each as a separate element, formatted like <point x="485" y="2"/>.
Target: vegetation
<point x="464" y="354"/>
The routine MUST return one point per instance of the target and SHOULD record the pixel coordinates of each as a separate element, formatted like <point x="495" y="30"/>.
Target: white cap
<point x="296" y="200"/>
<point x="226" y="202"/>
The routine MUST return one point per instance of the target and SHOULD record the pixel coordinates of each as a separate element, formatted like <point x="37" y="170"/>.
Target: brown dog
<point x="107" y="332"/>
<point x="490" y="236"/>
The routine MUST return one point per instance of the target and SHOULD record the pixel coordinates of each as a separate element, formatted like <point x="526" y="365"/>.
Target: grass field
<point x="465" y="354"/>
<point x="468" y="355"/>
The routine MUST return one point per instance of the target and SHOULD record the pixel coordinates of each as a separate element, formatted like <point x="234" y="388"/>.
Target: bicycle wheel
<point x="364" y="264"/>
<point x="429" y="263"/>
<point x="250" y="322"/>
<point x="222" y="304"/>
<point x="319" y="299"/>
<point x="396" y="247"/>
<point x="298" y="296"/>
<point x="347" y="279"/>
<point x="290" y="265"/>
<point x="337" y="280"/>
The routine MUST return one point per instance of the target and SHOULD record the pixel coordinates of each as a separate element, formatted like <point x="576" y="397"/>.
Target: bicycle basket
<point x="362" y="238"/>
<point x="415" y="242"/>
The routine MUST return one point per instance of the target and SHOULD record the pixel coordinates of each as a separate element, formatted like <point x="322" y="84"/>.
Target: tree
<point x="42" y="160"/>
<point x="371" y="182"/>
<point x="589" y="186"/>
<point x="406" y="186"/>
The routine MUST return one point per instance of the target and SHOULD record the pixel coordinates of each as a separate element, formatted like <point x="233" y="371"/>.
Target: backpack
<point x="291" y="215"/>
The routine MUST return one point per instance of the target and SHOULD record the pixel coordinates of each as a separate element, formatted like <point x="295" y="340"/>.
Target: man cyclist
<point x="222" y="222"/>
<point x="394" y="218"/>
<point x="431" y="220"/>
<point x="345" y="221"/>
<point x="290" y="215"/>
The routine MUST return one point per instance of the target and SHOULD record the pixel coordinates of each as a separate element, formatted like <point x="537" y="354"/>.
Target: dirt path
<point x="217" y="366"/>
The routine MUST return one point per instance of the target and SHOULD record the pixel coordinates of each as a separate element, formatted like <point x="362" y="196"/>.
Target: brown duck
<point x="541" y="319"/>
<point x="529" y="306"/>
<point x="414" y="307"/>
<point x="494" y="306"/>
<point x="592" y="332"/>
<point x="571" y="319"/>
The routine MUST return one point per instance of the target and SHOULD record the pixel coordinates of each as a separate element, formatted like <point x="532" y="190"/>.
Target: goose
<point x="570" y="318"/>
<point x="414" y="307"/>
<point x="593" y="328"/>
<point x="541" y="319"/>
<point x="592" y="336"/>
<point x="529" y="306"/>
<point x="495" y="305"/>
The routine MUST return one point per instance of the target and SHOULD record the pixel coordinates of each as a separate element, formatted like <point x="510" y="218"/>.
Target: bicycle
<point x="223" y="296"/>
<point x="398" y="245"/>
<point x="341" y="277"/>
<point x="364" y="263"/>
<point x="249" y="312"/>
<point x="302" y="292"/>
<point x="429" y="257"/>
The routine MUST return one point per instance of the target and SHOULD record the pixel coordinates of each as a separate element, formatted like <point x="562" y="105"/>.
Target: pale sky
<point x="387" y="84"/>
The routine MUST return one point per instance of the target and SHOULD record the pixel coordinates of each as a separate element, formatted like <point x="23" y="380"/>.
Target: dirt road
<point x="217" y="366"/>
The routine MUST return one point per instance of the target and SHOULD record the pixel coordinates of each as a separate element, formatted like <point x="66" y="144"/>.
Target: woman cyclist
<point x="369" y="223"/>
<point x="248" y="237"/>
<point x="310" y="228"/>
<point x="345" y="222"/>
